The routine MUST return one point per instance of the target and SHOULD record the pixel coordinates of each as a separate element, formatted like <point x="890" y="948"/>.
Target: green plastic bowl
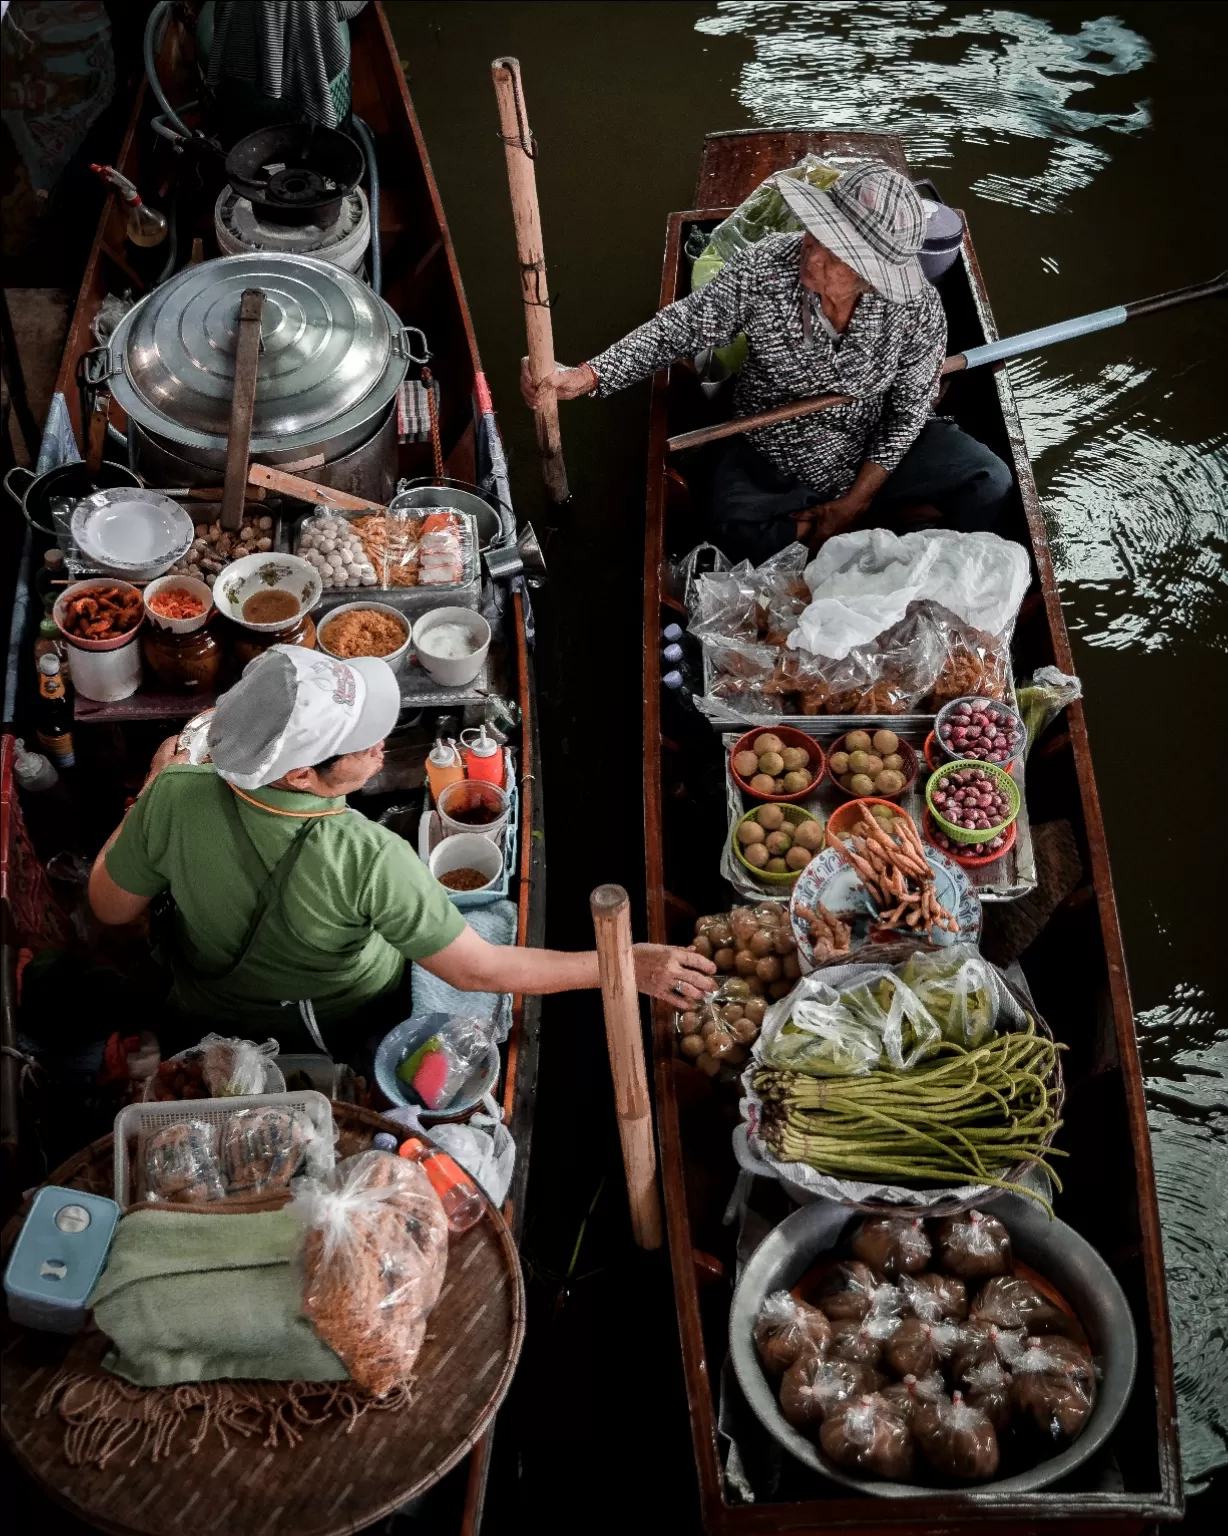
<point x="793" y="813"/>
<point x="982" y="834"/>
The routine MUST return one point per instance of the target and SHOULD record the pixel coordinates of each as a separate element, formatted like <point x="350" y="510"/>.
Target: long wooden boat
<point x="1076" y="967"/>
<point x="422" y="283"/>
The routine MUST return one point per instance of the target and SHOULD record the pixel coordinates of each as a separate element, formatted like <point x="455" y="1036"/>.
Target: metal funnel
<point x="524" y="558"/>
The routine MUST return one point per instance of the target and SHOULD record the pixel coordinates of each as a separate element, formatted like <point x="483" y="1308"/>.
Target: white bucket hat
<point x="873" y="219"/>
<point x="292" y="708"/>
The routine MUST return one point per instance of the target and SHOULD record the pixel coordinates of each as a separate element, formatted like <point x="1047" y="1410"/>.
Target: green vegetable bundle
<point x="962" y="1117"/>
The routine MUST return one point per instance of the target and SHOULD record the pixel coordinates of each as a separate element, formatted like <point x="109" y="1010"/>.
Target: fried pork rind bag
<point x="375" y="1251"/>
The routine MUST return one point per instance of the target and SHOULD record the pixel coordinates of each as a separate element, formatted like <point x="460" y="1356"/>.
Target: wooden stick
<point x="96" y="432"/>
<point x="521" y="151"/>
<point x="620" y="1000"/>
<point x="242" y="404"/>
<point x="267" y="478"/>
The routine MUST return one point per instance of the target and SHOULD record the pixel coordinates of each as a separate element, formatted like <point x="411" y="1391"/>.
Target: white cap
<point x="292" y="708"/>
<point x="48" y="663"/>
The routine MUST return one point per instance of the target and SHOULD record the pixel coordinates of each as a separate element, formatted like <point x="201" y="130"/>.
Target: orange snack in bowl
<point x="177" y="603"/>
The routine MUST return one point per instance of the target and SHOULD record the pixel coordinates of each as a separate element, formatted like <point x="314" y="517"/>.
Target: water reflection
<point x="990" y="77"/>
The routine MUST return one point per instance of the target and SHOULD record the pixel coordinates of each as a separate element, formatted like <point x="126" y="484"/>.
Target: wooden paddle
<point x="975" y="357"/>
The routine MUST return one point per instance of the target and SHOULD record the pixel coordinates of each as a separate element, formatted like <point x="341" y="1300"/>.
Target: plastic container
<point x="843" y="819"/>
<point x="911" y="769"/>
<point x="483" y="756"/>
<point x="395" y="659"/>
<point x="979" y="834"/>
<point x="466" y="850"/>
<point x="32" y="770"/>
<point x="790" y="738"/>
<point x="473" y="797"/>
<point x="430" y="835"/>
<point x="460" y="1197"/>
<point x="452" y="671"/>
<point x="794" y="813"/>
<point x="191" y="584"/>
<point x="968" y="859"/>
<point x="59" y="1254"/>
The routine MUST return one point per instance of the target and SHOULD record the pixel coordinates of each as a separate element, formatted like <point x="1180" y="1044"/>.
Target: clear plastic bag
<point x="723" y="606"/>
<point x="443" y="1064"/>
<point x="970" y="662"/>
<point x="441" y="549"/>
<point x="1012" y="1302"/>
<point x="178" y="1164"/>
<point x="893" y="1011"/>
<point x="847" y="1291"/>
<point x="1043" y="697"/>
<point x="813" y="1031"/>
<point x="261" y="1150"/>
<point x="917" y="1347"/>
<point x="1053" y="1384"/>
<point x="813" y="1387"/>
<point x="764" y="212"/>
<point x="957" y="990"/>
<point x="893" y="1245"/>
<point x="973" y="1246"/>
<point x="935" y="1298"/>
<point x="956" y="1439"/>
<point x="483" y="1147"/>
<point x="907" y="1395"/>
<point x="741" y="674"/>
<point x="336" y="547"/>
<point x="786" y="1329"/>
<point x="685" y="574"/>
<point x="862" y="1342"/>
<point x="375" y="1247"/>
<point x="217" y="1068"/>
<point x="867" y="1435"/>
<point x="989" y="1389"/>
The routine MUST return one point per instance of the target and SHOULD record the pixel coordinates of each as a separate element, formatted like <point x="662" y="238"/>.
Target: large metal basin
<point x="1051" y="1248"/>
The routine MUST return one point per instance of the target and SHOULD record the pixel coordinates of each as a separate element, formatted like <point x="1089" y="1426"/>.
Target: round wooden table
<point x="344" y="1474"/>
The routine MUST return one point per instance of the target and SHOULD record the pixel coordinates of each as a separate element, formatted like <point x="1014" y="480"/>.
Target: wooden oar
<point x="611" y="910"/>
<point x="975" y="357"/>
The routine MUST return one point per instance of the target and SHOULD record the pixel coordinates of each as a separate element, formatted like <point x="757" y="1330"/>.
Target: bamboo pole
<point x="611" y="910"/>
<point x="521" y="150"/>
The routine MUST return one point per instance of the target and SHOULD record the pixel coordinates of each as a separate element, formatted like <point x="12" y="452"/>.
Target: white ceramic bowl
<point x="262" y="573"/>
<point x="468" y="851"/>
<point x="78" y="588"/>
<point x="190" y="584"/>
<point x="395" y="659"/>
<point x="448" y="671"/>
<point x="132" y="533"/>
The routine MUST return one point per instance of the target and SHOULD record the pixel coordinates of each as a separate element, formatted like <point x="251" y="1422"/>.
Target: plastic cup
<point x="461" y="805"/>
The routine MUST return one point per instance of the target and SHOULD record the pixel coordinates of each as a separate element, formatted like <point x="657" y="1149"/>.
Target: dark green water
<point x="1081" y="143"/>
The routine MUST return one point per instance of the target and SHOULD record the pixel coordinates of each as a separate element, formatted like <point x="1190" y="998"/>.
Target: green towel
<point x="188" y="1297"/>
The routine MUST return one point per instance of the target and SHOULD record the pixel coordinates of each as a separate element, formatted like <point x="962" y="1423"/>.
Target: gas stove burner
<point x="242" y="227"/>
<point x="295" y="173"/>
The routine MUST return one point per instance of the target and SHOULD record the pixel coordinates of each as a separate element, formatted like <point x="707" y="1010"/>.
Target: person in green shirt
<point x="284" y="912"/>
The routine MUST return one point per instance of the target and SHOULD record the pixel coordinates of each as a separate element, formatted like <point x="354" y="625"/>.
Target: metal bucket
<point x="442" y="492"/>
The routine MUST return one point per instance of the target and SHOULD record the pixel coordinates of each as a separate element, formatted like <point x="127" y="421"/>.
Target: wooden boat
<point x="421" y="282"/>
<point x="1076" y="968"/>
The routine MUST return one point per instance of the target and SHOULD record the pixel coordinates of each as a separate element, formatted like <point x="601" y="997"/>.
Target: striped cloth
<point x="288" y="49"/>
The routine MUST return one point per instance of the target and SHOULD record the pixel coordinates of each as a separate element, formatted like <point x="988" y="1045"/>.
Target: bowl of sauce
<point x="267" y="592"/>
<point x="473" y="806"/>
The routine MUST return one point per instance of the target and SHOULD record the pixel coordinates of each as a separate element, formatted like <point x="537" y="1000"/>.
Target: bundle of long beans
<point x="962" y="1117"/>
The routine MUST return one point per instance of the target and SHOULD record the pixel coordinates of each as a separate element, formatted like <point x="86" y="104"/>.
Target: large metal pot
<point x="1054" y="1250"/>
<point x="67" y="484"/>
<point x="333" y="355"/>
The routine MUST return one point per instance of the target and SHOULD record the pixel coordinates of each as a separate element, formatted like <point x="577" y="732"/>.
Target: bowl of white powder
<point x="451" y="644"/>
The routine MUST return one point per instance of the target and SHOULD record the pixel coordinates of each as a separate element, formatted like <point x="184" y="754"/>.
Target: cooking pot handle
<point x="402" y="344"/>
<point x="97" y="366"/>
<point x="19" y="497"/>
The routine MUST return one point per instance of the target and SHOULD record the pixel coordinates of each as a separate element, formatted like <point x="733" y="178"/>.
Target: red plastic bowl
<point x="790" y="738"/>
<point x="911" y="767"/>
<point x="968" y="860"/>
<point x="841" y="821"/>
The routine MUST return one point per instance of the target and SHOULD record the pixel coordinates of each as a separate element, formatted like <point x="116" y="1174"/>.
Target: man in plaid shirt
<point x="842" y="309"/>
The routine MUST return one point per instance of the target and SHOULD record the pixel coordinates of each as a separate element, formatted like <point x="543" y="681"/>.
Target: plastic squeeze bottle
<point x="483" y="756"/>
<point x="443" y="767"/>
<point x="461" y="1199"/>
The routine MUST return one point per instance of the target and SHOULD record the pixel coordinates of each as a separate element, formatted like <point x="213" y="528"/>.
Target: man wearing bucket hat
<point x="282" y="903"/>
<point x="842" y="308"/>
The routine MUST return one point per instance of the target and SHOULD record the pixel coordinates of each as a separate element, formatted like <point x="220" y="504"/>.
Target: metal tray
<point x="1009" y="878"/>
<point x="411" y="601"/>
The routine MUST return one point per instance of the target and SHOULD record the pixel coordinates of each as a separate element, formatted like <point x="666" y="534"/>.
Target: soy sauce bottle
<point x="53" y="714"/>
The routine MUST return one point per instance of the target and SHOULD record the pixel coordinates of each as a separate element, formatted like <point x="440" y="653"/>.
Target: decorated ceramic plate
<point x="828" y="879"/>
<point x="131" y="532"/>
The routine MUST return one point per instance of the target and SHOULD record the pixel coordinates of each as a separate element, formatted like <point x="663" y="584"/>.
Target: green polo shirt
<point x="358" y="903"/>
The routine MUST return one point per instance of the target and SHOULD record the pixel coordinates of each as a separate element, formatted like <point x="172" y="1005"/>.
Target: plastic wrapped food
<point x="1012" y="1302"/>
<point x="956" y="988"/>
<point x="907" y="1395"/>
<point x="892" y="1245"/>
<point x="916" y="1347"/>
<point x="935" y="1297"/>
<point x="813" y="1387"/>
<point x="868" y="1436"/>
<point x="973" y="1246"/>
<point x="981" y="1344"/>
<point x="1054" y="1386"/>
<point x="334" y="545"/>
<point x="438" y="1069"/>
<point x="1043" y="697"/>
<point x="973" y="662"/>
<point x="847" y="1291"/>
<point x="862" y="1342"/>
<point x="786" y="1329"/>
<point x="179" y="1164"/>
<point x="375" y="1251"/>
<point x="441" y="554"/>
<point x="220" y="1067"/>
<point x="956" y="1439"/>
<point x="988" y="1387"/>
<point x="261" y="1150"/>
<point x="812" y="1031"/>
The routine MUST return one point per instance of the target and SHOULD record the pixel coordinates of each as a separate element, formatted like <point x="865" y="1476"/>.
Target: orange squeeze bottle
<point x="443" y="767"/>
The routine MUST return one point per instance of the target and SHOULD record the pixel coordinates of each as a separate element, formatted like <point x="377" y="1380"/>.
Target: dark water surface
<point x="1082" y="145"/>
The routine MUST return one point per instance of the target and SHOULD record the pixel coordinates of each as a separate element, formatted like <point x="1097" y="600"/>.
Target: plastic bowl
<point x="968" y="858"/>
<point x="452" y="671"/>
<point x="844" y="818"/>
<point x="250" y="574"/>
<point x="793" y="813"/>
<point x="113" y="642"/>
<point x="395" y="659"/>
<point x="945" y="754"/>
<point x="191" y="584"/>
<point x="403" y="1041"/>
<point x="979" y="834"/>
<point x="790" y="738"/>
<point x="911" y="767"/>
<point x="466" y="850"/>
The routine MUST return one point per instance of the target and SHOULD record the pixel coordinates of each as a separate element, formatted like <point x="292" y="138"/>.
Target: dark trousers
<point x="752" y="503"/>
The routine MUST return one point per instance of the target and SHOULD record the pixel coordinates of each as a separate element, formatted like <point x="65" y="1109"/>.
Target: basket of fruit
<point x="774" y="843"/>
<point x="972" y="802"/>
<point x="864" y="763"/>
<point x="982" y="729"/>
<point x="780" y="766"/>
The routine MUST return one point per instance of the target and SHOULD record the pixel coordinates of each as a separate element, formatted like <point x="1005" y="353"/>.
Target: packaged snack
<point x="935" y="1297"/>
<point x="973" y="1246"/>
<point x="812" y="1387"/>
<point x="441" y="555"/>
<point x="981" y="1344"/>
<point x="847" y="1291"/>
<point x="868" y="1436"/>
<point x="441" y="1066"/>
<point x="1012" y="1302"/>
<point x="862" y="1342"/>
<point x="787" y="1328"/>
<point x="179" y="1164"/>
<point x="261" y="1150"/>
<point x="989" y="1389"/>
<point x="907" y="1395"/>
<point x="892" y="1245"/>
<point x="916" y="1347"/>
<point x="1054" y="1386"/>
<point x="956" y="1439"/>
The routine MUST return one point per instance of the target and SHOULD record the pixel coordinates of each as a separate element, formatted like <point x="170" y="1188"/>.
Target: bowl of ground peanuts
<point x="365" y="629"/>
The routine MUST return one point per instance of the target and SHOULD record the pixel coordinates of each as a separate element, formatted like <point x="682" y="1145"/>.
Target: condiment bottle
<point x="53" y="715"/>
<point x="145" y="228"/>
<point x="461" y="1199"/>
<point x="51" y="642"/>
<point x="33" y="772"/>
<point x="483" y="756"/>
<point x="50" y="576"/>
<point x="443" y="767"/>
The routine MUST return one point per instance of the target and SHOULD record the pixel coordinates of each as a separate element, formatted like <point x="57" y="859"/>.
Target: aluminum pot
<point x="71" y="483"/>
<point x="1054" y="1250"/>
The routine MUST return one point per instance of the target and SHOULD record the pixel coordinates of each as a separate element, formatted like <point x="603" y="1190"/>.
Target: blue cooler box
<point x="58" y="1257"/>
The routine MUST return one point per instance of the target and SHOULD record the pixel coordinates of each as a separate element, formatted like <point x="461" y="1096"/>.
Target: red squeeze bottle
<point x="462" y="1201"/>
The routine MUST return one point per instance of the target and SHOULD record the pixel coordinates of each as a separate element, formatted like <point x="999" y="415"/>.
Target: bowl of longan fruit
<point x="869" y="763"/>
<point x="781" y="766"/>
<point x="774" y="843"/>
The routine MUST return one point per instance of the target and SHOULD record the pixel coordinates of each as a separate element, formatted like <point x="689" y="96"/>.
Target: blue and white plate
<point x="830" y="880"/>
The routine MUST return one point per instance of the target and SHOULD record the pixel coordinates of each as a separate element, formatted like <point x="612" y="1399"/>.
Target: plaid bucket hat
<point x="873" y="219"/>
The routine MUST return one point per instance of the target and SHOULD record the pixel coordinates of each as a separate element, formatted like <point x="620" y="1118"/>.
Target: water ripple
<point x="989" y="77"/>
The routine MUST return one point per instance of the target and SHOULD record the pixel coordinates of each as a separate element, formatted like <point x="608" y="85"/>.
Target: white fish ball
<point x="264" y="523"/>
<point x="353" y="581"/>
<point x="367" y="579"/>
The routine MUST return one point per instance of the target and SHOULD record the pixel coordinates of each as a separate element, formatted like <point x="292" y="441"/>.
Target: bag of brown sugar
<point x="375" y="1248"/>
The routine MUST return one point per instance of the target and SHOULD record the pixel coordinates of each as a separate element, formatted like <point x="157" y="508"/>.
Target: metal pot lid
<point x="331" y="351"/>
